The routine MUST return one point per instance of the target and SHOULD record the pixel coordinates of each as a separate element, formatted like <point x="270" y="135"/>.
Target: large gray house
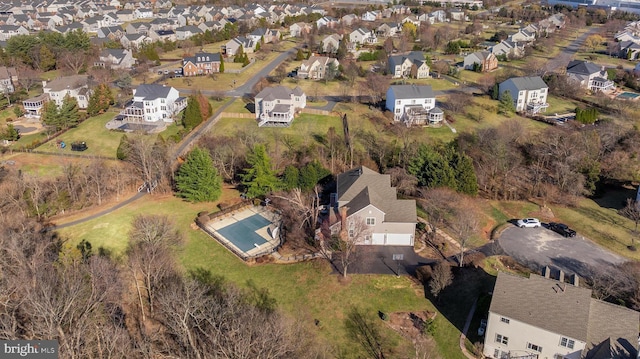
<point x="365" y="195"/>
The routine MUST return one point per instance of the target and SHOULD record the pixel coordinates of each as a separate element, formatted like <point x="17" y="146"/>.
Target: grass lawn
<point x="325" y="296"/>
<point x="40" y="165"/>
<point x="100" y="141"/>
<point x="238" y="106"/>
<point x="559" y="105"/>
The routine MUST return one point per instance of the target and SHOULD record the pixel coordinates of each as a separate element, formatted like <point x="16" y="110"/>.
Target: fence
<point x="315" y="111"/>
<point x="237" y="115"/>
<point x="61" y="154"/>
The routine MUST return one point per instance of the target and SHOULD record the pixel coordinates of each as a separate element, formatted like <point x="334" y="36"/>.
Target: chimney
<point x="575" y="280"/>
<point x="44" y="83"/>
<point x="343" y="222"/>
<point x="561" y="276"/>
<point x="546" y="272"/>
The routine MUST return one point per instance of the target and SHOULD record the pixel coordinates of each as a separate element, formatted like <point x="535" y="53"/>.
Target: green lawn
<point x="238" y="106"/>
<point x="100" y="140"/>
<point x="324" y="295"/>
<point x="559" y="105"/>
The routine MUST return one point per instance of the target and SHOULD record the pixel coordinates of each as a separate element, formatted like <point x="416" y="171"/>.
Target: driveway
<point x="379" y="260"/>
<point x="563" y="58"/>
<point x="538" y="247"/>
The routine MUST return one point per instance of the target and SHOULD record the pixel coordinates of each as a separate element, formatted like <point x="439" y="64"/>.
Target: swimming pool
<point x="628" y="95"/>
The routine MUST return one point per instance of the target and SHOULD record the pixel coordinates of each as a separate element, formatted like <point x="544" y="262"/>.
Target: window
<point x="397" y="110"/>
<point x="534" y="347"/>
<point x="504" y="320"/>
<point x="502" y="339"/>
<point x="558" y="356"/>
<point x="397" y="102"/>
<point x="371" y="221"/>
<point x="567" y="343"/>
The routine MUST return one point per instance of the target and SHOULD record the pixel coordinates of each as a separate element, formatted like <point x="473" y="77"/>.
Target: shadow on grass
<point x="455" y="301"/>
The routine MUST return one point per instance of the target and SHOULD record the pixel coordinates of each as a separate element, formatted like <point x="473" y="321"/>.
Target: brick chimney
<point x="343" y="222"/>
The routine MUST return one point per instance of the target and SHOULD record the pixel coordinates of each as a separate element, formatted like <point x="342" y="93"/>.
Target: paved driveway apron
<point x="538" y="247"/>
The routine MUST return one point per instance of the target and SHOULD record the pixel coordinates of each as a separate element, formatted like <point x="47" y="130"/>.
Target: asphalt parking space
<point x="539" y="247"/>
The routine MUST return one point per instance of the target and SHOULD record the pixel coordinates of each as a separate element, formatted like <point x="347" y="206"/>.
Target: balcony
<point x="535" y="107"/>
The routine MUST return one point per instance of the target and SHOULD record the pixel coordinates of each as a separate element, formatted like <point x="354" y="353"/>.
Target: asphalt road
<point x="538" y="247"/>
<point x="563" y="58"/>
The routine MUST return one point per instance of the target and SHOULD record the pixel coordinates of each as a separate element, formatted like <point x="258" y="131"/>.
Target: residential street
<point x="568" y="52"/>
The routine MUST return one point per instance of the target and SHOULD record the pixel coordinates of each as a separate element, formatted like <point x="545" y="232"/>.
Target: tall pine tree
<point x="197" y="180"/>
<point x="192" y="115"/>
<point x="259" y="178"/>
<point x="50" y="115"/>
<point x="69" y="112"/>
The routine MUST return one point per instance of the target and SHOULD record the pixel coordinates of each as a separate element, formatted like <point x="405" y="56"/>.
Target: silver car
<point x="528" y="223"/>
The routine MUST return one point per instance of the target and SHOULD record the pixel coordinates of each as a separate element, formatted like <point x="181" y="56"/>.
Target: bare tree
<point x="150" y="159"/>
<point x="28" y="77"/>
<point x="72" y="60"/>
<point x="632" y="211"/>
<point x="464" y="224"/>
<point x="441" y="278"/>
<point x="353" y="231"/>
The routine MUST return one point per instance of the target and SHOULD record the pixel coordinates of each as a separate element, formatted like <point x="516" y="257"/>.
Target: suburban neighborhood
<point x="347" y="179"/>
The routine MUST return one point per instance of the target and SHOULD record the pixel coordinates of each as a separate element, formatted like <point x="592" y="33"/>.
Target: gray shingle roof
<point x="412" y="91"/>
<point x="68" y="82"/>
<point x="562" y="309"/>
<point x="583" y="67"/>
<point x="152" y="91"/>
<point x="278" y="92"/>
<point x="527" y="83"/>
<point x="608" y="320"/>
<point x="362" y="186"/>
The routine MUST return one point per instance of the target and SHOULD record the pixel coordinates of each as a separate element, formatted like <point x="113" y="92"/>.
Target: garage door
<point x="377" y="239"/>
<point x="398" y="239"/>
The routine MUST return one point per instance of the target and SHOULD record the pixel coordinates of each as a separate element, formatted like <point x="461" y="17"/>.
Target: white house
<point x="299" y="29"/>
<point x="232" y="46"/>
<point x="142" y="13"/>
<point x="76" y="86"/>
<point x="363" y="36"/>
<point x="412" y="64"/>
<point x="186" y="32"/>
<point x="8" y="79"/>
<point x="326" y="21"/>
<point x="153" y="103"/>
<point x="277" y="106"/>
<point x="529" y="93"/>
<point x="116" y="59"/>
<point x="413" y="105"/>
<point x="9" y="31"/>
<point x="366" y="196"/>
<point x="523" y="36"/>
<point x="589" y="75"/>
<point x="540" y="317"/>
<point x="507" y="48"/>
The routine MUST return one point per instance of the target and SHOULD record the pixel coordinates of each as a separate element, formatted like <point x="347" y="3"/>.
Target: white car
<point x="528" y="223"/>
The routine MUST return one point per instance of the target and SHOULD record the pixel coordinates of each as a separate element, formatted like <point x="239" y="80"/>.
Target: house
<point x="186" y="32"/>
<point x="507" y="49"/>
<point x="629" y="50"/>
<point x="134" y="41"/>
<point x="76" y="86"/>
<point x="153" y="103"/>
<point x="482" y="60"/>
<point x="264" y="35"/>
<point x="9" y="31"/>
<point x="365" y="196"/>
<point x="326" y="21"/>
<point x="371" y="16"/>
<point x="202" y="63"/>
<point x="142" y="13"/>
<point x="112" y="33"/>
<point x="299" y="29"/>
<point x="528" y="93"/>
<point x="33" y="106"/>
<point x="315" y="68"/>
<point x="362" y="36"/>
<point x="116" y="59"/>
<point x="523" y="36"/>
<point x="125" y="15"/>
<point x="589" y="75"/>
<point x="389" y="29"/>
<point x="162" y="35"/>
<point x="331" y="43"/>
<point x="8" y="79"/>
<point x="541" y="317"/>
<point x="137" y="28"/>
<point x="412" y="64"/>
<point x="413" y="105"/>
<point x="349" y="19"/>
<point x="457" y="15"/>
<point x="232" y="46"/>
<point x="276" y="106"/>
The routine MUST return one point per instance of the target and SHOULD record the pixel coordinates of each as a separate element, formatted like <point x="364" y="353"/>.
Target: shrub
<point x="384" y="316"/>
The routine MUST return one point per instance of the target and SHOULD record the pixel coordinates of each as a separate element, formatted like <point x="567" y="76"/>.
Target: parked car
<point x="528" y="223"/>
<point x="562" y="229"/>
<point x="482" y="328"/>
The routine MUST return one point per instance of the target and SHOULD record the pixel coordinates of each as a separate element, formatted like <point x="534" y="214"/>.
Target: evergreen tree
<point x="10" y="133"/>
<point x="259" y="178"/>
<point x="47" y="59"/>
<point x="258" y="46"/>
<point x="221" y="69"/>
<point x="290" y="177"/>
<point x="465" y="174"/>
<point x="239" y="55"/>
<point x="342" y="50"/>
<point x="506" y="106"/>
<point x="123" y="148"/>
<point x="299" y="55"/>
<point x="50" y="115"/>
<point x="197" y="180"/>
<point x="69" y="112"/>
<point x="432" y="169"/>
<point x="192" y="116"/>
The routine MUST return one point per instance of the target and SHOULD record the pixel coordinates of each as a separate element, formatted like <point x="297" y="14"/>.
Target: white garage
<point x="392" y="239"/>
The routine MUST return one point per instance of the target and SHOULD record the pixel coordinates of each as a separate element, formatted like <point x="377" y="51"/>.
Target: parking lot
<point x="538" y="247"/>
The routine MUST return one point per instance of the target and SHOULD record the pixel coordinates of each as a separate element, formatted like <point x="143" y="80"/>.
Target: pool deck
<point x="217" y="224"/>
